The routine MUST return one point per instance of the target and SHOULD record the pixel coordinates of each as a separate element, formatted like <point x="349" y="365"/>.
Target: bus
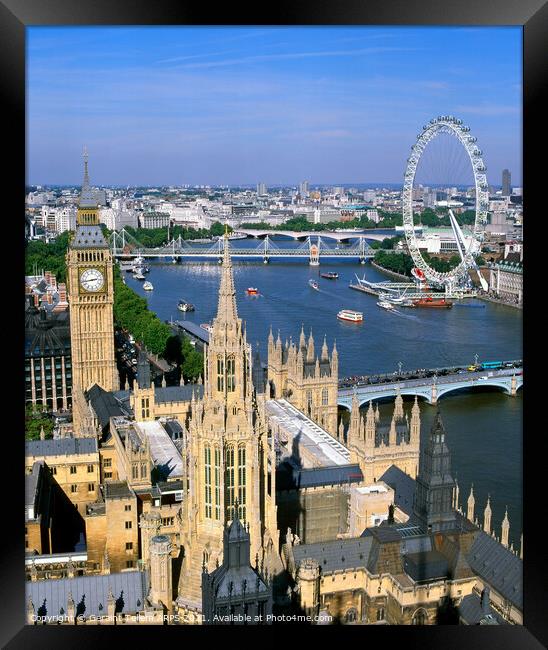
<point x="491" y="365"/>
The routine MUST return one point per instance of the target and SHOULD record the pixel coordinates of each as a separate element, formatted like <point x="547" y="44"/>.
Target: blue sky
<point x="229" y="105"/>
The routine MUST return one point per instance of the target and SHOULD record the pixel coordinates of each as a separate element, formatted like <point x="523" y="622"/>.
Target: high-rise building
<point x="303" y="188"/>
<point x="91" y="298"/>
<point x="506" y="188"/>
<point x="261" y="189"/>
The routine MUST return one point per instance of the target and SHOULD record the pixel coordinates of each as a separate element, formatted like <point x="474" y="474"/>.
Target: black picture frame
<point x="15" y="16"/>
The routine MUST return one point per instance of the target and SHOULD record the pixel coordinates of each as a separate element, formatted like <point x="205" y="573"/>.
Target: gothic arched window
<point x="231" y="374"/>
<point x="351" y="615"/>
<point x="325" y="397"/>
<point x="220" y="373"/>
<point x="207" y="480"/>
<point x="217" y="454"/>
<point x="241" y="483"/>
<point x="229" y="482"/>
<point x="419" y="617"/>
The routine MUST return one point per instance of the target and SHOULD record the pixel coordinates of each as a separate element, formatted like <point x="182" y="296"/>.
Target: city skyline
<point x="238" y="106"/>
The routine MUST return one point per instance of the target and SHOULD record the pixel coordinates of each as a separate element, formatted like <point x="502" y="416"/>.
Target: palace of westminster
<point x="244" y="498"/>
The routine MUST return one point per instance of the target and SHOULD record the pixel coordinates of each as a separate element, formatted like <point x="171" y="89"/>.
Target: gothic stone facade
<point x="308" y="381"/>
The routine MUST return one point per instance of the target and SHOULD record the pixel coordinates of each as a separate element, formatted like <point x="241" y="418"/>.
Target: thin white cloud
<point x="296" y="55"/>
<point x="488" y="109"/>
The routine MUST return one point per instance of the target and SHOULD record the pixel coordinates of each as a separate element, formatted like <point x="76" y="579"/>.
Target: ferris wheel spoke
<point x="449" y="160"/>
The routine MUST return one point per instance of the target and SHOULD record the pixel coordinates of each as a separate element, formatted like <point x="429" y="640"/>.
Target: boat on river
<point x="427" y="301"/>
<point x="385" y="304"/>
<point x="350" y="316"/>
<point x="185" y="306"/>
<point x="147" y="286"/>
<point x="314" y="284"/>
<point x="330" y="275"/>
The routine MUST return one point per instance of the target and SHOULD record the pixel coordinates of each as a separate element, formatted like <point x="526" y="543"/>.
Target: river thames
<point x="484" y="428"/>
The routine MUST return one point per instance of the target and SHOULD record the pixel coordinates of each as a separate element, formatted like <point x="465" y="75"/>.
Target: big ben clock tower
<point x="91" y="296"/>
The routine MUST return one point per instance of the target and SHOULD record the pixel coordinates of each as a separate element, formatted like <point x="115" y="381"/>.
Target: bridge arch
<point x="505" y="386"/>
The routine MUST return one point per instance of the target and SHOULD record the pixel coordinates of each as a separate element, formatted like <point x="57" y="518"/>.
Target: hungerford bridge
<point x="432" y="388"/>
<point x="314" y="247"/>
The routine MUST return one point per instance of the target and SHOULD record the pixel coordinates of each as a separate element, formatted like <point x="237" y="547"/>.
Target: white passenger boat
<point x="385" y="305"/>
<point x="350" y="316"/>
<point x="147" y="286"/>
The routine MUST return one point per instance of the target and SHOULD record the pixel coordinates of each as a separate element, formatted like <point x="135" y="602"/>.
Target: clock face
<point x="92" y="280"/>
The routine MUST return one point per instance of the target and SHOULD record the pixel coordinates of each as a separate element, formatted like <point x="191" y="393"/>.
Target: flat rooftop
<point x="164" y="453"/>
<point x="326" y="450"/>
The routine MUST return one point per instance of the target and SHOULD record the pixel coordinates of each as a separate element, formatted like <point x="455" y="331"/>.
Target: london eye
<point x="461" y="154"/>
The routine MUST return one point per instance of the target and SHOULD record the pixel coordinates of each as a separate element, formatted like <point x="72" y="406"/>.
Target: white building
<point x="506" y="281"/>
<point x="47" y="218"/>
<point x="65" y="218"/>
<point x="442" y="242"/>
<point x="39" y="198"/>
<point x="152" y="219"/>
<point x="116" y="219"/>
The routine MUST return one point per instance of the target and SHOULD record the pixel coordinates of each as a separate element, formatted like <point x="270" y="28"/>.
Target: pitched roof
<point x="403" y="486"/>
<point x="60" y="447"/>
<point x="88" y="237"/>
<point x="105" y="404"/>
<point x="498" y="567"/>
<point x="336" y="555"/>
<point x="90" y="594"/>
<point x="471" y="612"/>
<point x="165" y="394"/>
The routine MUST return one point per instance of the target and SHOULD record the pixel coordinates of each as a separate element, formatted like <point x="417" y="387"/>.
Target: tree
<point x="193" y="362"/>
<point x="217" y="229"/>
<point x="35" y="419"/>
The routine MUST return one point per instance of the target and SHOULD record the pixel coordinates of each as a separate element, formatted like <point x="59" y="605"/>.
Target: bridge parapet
<point x="431" y="391"/>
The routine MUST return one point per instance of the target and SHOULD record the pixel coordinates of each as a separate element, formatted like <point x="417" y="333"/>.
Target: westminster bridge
<point x="430" y="388"/>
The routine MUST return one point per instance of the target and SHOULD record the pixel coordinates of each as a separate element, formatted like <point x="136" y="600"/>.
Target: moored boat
<point x="330" y="275"/>
<point x="433" y="302"/>
<point x="350" y="315"/>
<point x="138" y="275"/>
<point x="126" y="266"/>
<point x="185" y="306"/>
<point x="385" y="304"/>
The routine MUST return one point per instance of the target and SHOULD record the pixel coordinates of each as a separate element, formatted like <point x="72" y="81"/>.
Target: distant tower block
<point x="161" y="583"/>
